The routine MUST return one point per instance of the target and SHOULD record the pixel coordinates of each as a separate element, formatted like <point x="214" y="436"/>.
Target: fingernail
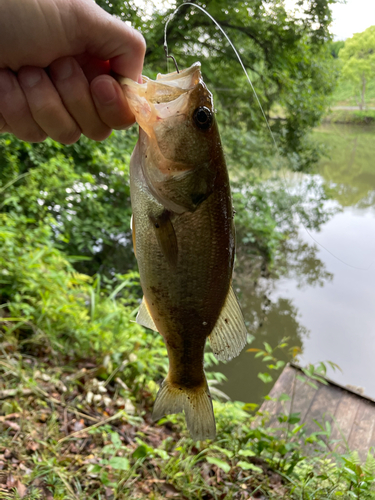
<point x="64" y="69"/>
<point x="6" y="83"/>
<point x="105" y="91"/>
<point x="140" y="80"/>
<point x="31" y="77"/>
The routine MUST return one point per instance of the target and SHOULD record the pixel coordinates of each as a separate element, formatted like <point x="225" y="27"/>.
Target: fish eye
<point x="203" y="118"/>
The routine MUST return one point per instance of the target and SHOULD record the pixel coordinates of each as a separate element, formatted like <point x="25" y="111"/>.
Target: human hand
<point x="55" y="62"/>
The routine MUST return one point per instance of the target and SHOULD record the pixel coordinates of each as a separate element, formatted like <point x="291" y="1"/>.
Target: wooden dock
<point x="351" y="415"/>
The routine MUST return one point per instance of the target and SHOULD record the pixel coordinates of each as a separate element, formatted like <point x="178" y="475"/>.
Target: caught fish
<point x="183" y="236"/>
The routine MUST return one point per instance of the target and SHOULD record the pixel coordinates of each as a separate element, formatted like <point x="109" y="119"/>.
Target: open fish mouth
<point x="167" y="96"/>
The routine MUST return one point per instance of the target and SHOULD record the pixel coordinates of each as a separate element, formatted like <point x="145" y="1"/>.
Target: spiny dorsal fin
<point x="228" y="337"/>
<point x="166" y="236"/>
<point x="144" y="317"/>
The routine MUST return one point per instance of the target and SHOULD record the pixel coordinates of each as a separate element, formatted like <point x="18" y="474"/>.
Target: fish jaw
<point x="165" y="109"/>
<point x="154" y="100"/>
<point x="182" y="153"/>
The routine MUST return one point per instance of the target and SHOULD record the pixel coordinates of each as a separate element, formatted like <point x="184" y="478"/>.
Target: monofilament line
<point x="234" y="50"/>
<point x="169" y="19"/>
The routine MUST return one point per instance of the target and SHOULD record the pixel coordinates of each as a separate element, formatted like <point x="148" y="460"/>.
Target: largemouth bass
<point x="183" y="235"/>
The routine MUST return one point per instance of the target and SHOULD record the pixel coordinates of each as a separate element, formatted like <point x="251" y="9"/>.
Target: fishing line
<point x="169" y="19"/>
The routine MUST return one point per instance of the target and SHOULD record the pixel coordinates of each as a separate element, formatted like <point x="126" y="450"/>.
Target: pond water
<point x="324" y="299"/>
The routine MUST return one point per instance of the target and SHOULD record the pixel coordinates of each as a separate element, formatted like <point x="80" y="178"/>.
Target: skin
<point x="55" y="62"/>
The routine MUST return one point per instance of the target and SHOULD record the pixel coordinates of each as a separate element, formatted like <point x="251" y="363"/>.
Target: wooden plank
<point x="351" y="415"/>
<point x="283" y="385"/>
<point x="323" y="407"/>
<point x="303" y="397"/>
<point x="362" y="429"/>
<point x="372" y="438"/>
<point x="344" y="419"/>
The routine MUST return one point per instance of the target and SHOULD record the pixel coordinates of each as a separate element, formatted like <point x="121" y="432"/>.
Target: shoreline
<point x="350" y="116"/>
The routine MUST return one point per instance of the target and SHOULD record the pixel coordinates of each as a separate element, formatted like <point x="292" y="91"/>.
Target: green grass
<point x="350" y="117"/>
<point x="78" y="378"/>
<point x="75" y="431"/>
<point x="345" y="94"/>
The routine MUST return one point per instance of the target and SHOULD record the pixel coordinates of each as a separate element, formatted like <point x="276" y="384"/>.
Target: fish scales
<point x="183" y="234"/>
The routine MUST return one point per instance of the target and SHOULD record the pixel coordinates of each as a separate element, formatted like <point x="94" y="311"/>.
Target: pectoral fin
<point x="166" y="236"/>
<point x="228" y="337"/>
<point x="144" y="317"/>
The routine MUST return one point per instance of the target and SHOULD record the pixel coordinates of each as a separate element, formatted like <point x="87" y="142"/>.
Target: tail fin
<point x="196" y="403"/>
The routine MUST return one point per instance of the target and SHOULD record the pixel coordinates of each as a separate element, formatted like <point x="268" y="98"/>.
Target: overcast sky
<point x="353" y="17"/>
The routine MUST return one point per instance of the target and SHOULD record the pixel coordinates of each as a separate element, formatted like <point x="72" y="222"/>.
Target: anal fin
<point x="144" y="317"/>
<point x="229" y="335"/>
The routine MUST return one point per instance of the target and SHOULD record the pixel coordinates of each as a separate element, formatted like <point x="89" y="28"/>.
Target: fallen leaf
<point x="12" y="425"/>
<point x="170" y="491"/>
<point x="10" y="481"/>
<point x="21" y="489"/>
<point x="32" y="445"/>
<point x="9" y="417"/>
<point x="25" y="469"/>
<point x="109" y="494"/>
<point x="78" y="426"/>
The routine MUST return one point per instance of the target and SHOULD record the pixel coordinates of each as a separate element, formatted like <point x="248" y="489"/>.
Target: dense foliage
<point x="285" y="53"/>
<point x="78" y="376"/>
<point x="358" y="62"/>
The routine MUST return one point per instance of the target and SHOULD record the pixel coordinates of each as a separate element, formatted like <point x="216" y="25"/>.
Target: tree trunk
<point x="362" y="105"/>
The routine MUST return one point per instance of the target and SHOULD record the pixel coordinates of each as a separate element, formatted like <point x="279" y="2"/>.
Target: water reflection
<point x="270" y="318"/>
<point x="349" y="169"/>
<point x="323" y="301"/>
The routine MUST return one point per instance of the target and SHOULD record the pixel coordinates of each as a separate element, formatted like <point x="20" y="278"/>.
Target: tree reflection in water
<point x="269" y="317"/>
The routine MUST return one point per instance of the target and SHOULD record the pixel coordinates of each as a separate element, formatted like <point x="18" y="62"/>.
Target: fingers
<point x="109" y="39"/>
<point x="15" y="115"/>
<point x="46" y="105"/>
<point x="74" y="90"/>
<point x="111" y="103"/>
<point x="34" y="105"/>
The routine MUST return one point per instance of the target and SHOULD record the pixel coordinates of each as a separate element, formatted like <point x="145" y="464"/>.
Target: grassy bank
<point x="344" y="96"/>
<point x="77" y="383"/>
<point x="350" y="117"/>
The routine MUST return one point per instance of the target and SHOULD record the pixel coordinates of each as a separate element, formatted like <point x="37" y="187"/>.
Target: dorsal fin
<point x="228" y="337"/>
<point x="144" y="317"/>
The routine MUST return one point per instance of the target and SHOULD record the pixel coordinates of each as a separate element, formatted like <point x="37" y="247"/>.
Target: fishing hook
<point x="170" y="57"/>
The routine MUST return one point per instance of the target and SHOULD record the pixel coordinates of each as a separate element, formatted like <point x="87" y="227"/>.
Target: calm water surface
<point x="324" y="299"/>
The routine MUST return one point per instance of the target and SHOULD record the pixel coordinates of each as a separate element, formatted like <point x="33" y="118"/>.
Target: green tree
<point x="287" y="57"/>
<point x="335" y="48"/>
<point x="85" y="188"/>
<point x="358" y="57"/>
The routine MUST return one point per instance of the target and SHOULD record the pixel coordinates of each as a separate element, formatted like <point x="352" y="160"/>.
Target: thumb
<point x="110" y="39"/>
